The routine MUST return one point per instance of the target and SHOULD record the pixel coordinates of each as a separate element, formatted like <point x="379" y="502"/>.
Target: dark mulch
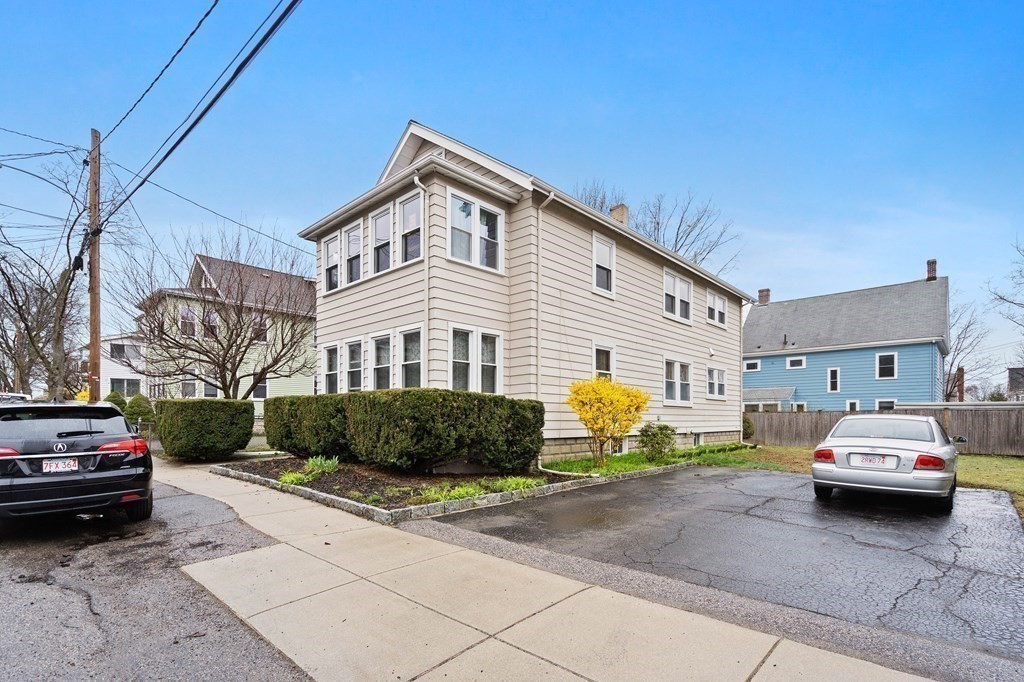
<point x="393" y="488"/>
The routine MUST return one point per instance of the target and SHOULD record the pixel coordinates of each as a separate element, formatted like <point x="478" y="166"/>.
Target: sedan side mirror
<point x="959" y="440"/>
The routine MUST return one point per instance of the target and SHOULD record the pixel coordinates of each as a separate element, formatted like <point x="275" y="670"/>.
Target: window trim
<point x="337" y="372"/>
<point x="756" y="369"/>
<point x="801" y="358"/>
<point x="345" y="255"/>
<point x="895" y="366"/>
<point x="182" y="309"/>
<point x="885" y="400"/>
<point x="710" y="293"/>
<point x="266" y="387"/>
<point x="725" y="382"/>
<point x="400" y="232"/>
<point x="258" y="317"/>
<point x="793" y="406"/>
<point x="667" y="272"/>
<point x="678" y="361"/>
<point x="334" y="236"/>
<point x="855" y="403"/>
<point x="371" y="341"/>
<point x="595" y="238"/>
<point x="400" y="333"/>
<point x="474" y="235"/>
<point x="602" y="344"/>
<point x="475" y="357"/>
<point x="189" y="377"/>
<point x="387" y="208"/>
<point x="828" y="380"/>
<point x="343" y="362"/>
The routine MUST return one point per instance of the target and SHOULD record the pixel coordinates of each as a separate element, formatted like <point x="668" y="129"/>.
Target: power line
<point x="25" y="210"/>
<point x="162" y="71"/>
<point x="43" y="139"/>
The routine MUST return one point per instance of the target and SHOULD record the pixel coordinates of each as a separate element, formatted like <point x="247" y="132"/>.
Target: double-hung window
<point x="886" y="366"/>
<point x="716" y="383"/>
<point x="354" y="366"/>
<point x="188" y="385"/>
<point x="475" y="360"/>
<point x="260" y="328"/>
<point x="259" y="391"/>
<point x="210" y="323"/>
<point x="332" y="255"/>
<point x="331" y="369"/>
<point x="604" y="265"/>
<point x="475" y="232"/>
<point x="209" y="389"/>
<point x="410" y="216"/>
<point x="678" y="294"/>
<point x="833" y="380"/>
<point x="411" y="362"/>
<point x="382" y="362"/>
<point x="353" y="239"/>
<point x="187" y="321"/>
<point x="604" y="360"/>
<point x="380" y="228"/>
<point x="677" y="383"/>
<point x="716" y="308"/>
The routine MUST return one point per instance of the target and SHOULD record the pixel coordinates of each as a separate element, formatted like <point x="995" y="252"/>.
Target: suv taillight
<point x="8" y="452"/>
<point x="930" y="463"/>
<point x="825" y="456"/>
<point x="136" y="446"/>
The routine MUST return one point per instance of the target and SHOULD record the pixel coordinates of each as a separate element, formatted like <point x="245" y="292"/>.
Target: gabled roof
<point x="897" y="313"/>
<point x="252" y="285"/>
<point x="768" y="395"/>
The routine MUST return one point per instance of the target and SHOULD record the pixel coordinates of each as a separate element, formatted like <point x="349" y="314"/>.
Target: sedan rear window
<point x="40" y="423"/>
<point x="903" y="429"/>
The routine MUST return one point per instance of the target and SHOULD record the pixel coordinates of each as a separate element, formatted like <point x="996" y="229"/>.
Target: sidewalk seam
<point x="757" y="668"/>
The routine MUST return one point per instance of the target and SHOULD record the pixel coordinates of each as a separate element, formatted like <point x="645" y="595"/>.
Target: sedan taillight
<point x="8" y="452"/>
<point x="825" y="456"/>
<point x="136" y="446"/>
<point x="930" y="463"/>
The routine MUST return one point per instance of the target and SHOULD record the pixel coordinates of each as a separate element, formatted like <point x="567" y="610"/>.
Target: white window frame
<point x="189" y="378"/>
<point x="713" y="297"/>
<point x="335" y="237"/>
<point x="677" y="278"/>
<point x="474" y="238"/>
<point x="372" y="234"/>
<point x="338" y="383"/>
<point x="878" y="401"/>
<point x="676" y="402"/>
<point x="266" y="391"/>
<point x="724" y="382"/>
<point x="214" y="324"/>
<point x="371" y="341"/>
<point x="596" y="238"/>
<point x="257" y="319"/>
<point x="475" y="357"/>
<point x="895" y="366"/>
<point x="828" y="380"/>
<point x="401" y="231"/>
<point x="756" y="361"/>
<point x="793" y="406"/>
<point x="400" y="355"/>
<point x="601" y="344"/>
<point x="345" y="255"/>
<point x="856" y="405"/>
<point x="801" y="358"/>
<point x="194" y="319"/>
<point x="343" y="363"/>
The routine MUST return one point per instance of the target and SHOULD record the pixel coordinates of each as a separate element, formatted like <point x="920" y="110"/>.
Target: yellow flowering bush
<point x="607" y="409"/>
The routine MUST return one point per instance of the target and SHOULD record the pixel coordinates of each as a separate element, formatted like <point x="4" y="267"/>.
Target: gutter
<point x="540" y="286"/>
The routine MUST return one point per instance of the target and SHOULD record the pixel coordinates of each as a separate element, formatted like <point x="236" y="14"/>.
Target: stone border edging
<point x="393" y="516"/>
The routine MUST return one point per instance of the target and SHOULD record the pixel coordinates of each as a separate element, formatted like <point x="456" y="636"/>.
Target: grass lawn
<point x="975" y="471"/>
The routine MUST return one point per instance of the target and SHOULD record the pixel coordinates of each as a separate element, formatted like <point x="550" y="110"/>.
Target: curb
<point x="393" y="516"/>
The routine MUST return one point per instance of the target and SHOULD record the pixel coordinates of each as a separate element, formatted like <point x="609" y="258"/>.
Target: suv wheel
<point x="822" y="492"/>
<point x="139" y="511"/>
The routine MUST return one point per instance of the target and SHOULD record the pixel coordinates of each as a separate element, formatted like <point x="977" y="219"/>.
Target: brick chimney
<point x="764" y="296"/>
<point x="620" y="214"/>
<point x="959" y="384"/>
<point x="932" y="266"/>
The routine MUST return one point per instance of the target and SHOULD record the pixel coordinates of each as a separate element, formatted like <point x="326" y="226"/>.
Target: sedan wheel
<point x="822" y="492"/>
<point x="945" y="504"/>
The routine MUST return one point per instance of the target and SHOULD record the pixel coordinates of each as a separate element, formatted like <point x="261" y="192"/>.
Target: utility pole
<point x="94" y="266"/>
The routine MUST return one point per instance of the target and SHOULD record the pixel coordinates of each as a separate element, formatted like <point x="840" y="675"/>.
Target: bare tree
<point x="1011" y="300"/>
<point x="692" y="228"/>
<point x="226" y="312"/>
<point x="967" y="334"/>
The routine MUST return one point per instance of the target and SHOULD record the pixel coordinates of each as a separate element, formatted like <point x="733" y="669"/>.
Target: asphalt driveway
<point x="872" y="560"/>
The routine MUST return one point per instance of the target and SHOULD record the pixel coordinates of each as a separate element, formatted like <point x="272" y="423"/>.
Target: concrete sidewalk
<point x="347" y="599"/>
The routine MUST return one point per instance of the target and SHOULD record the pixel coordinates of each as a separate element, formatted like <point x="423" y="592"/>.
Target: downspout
<point x="537" y="298"/>
<point x="425" y="248"/>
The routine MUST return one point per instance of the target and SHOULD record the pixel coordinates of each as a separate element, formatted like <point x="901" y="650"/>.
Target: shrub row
<point x="204" y="428"/>
<point x="414" y="428"/>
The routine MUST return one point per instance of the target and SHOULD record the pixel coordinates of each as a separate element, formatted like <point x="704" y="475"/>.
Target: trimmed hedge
<point x="139" y="407"/>
<point x="117" y="399"/>
<point x="414" y="428"/>
<point x="204" y="428"/>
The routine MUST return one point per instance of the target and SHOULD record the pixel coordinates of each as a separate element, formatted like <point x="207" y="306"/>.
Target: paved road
<point x="870" y="560"/>
<point x="99" y="599"/>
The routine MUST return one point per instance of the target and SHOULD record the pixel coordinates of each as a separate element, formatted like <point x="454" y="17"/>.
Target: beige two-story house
<point x="459" y="271"/>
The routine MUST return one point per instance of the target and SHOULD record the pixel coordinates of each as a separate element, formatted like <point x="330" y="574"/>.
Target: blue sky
<point x="848" y="142"/>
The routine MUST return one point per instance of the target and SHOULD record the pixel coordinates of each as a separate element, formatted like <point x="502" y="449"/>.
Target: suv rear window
<point x="32" y="423"/>
<point x="903" y="429"/>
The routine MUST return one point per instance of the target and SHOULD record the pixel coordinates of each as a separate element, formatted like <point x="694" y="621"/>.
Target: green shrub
<point x="319" y="427"/>
<point x="420" y="428"/>
<point x="657" y="441"/>
<point x="748" y="427"/>
<point x="198" y="429"/>
<point x="296" y="478"/>
<point x="321" y="465"/>
<point x="445" y="492"/>
<point x="278" y="414"/>
<point x="138" y="408"/>
<point x="117" y="399"/>
<point x="501" y="485"/>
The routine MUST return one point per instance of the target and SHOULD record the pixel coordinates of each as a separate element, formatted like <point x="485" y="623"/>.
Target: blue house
<point x="856" y="350"/>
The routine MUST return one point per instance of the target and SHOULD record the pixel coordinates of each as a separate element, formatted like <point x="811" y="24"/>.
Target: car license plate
<point x="874" y="461"/>
<point x="60" y="466"/>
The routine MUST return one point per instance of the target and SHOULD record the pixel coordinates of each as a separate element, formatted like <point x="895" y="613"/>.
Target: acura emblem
<point x="60" y="447"/>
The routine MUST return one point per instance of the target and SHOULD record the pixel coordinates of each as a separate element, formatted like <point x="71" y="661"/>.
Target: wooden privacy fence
<point x="988" y="431"/>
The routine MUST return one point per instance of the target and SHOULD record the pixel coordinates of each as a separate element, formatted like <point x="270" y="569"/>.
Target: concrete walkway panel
<point x="373" y="550"/>
<point x="307" y="521"/>
<point x="793" y="661"/>
<point x="494" y="660"/>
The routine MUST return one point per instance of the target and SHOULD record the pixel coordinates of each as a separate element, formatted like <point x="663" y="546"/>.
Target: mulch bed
<point x="393" y="488"/>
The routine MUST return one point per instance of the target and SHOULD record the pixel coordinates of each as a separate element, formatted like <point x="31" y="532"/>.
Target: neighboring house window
<point x="259" y="391"/>
<point x="677" y="382"/>
<point x="332" y="256"/>
<point x="751" y="407"/>
<point x="126" y="387"/>
<point x="752" y="365"/>
<point x="411" y="353"/>
<point x="475" y="232"/>
<point x="885" y="404"/>
<point x="353" y="253"/>
<point x="885" y="366"/>
<point x="260" y="328"/>
<point x="852" y="405"/>
<point x="331" y="369"/>
<point x="833" y="380"/>
<point x="716" y="383"/>
<point x="604" y="265"/>
<point x="799" y="407"/>
<point x="410" y="215"/>
<point x="382" y="362"/>
<point x="187" y="321"/>
<point x="796" y="362"/>
<point x="716" y="308"/>
<point x="188" y="387"/>
<point x="475" y="360"/>
<point x="354" y="372"/>
<point x="209" y="390"/>
<point x="210" y="322"/>
<point x="604" y="361"/>
<point x="678" y="293"/>
<point x="117" y="352"/>
<point x="380" y="226"/>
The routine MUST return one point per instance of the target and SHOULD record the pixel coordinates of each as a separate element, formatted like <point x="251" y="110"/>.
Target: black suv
<point x="72" y="458"/>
